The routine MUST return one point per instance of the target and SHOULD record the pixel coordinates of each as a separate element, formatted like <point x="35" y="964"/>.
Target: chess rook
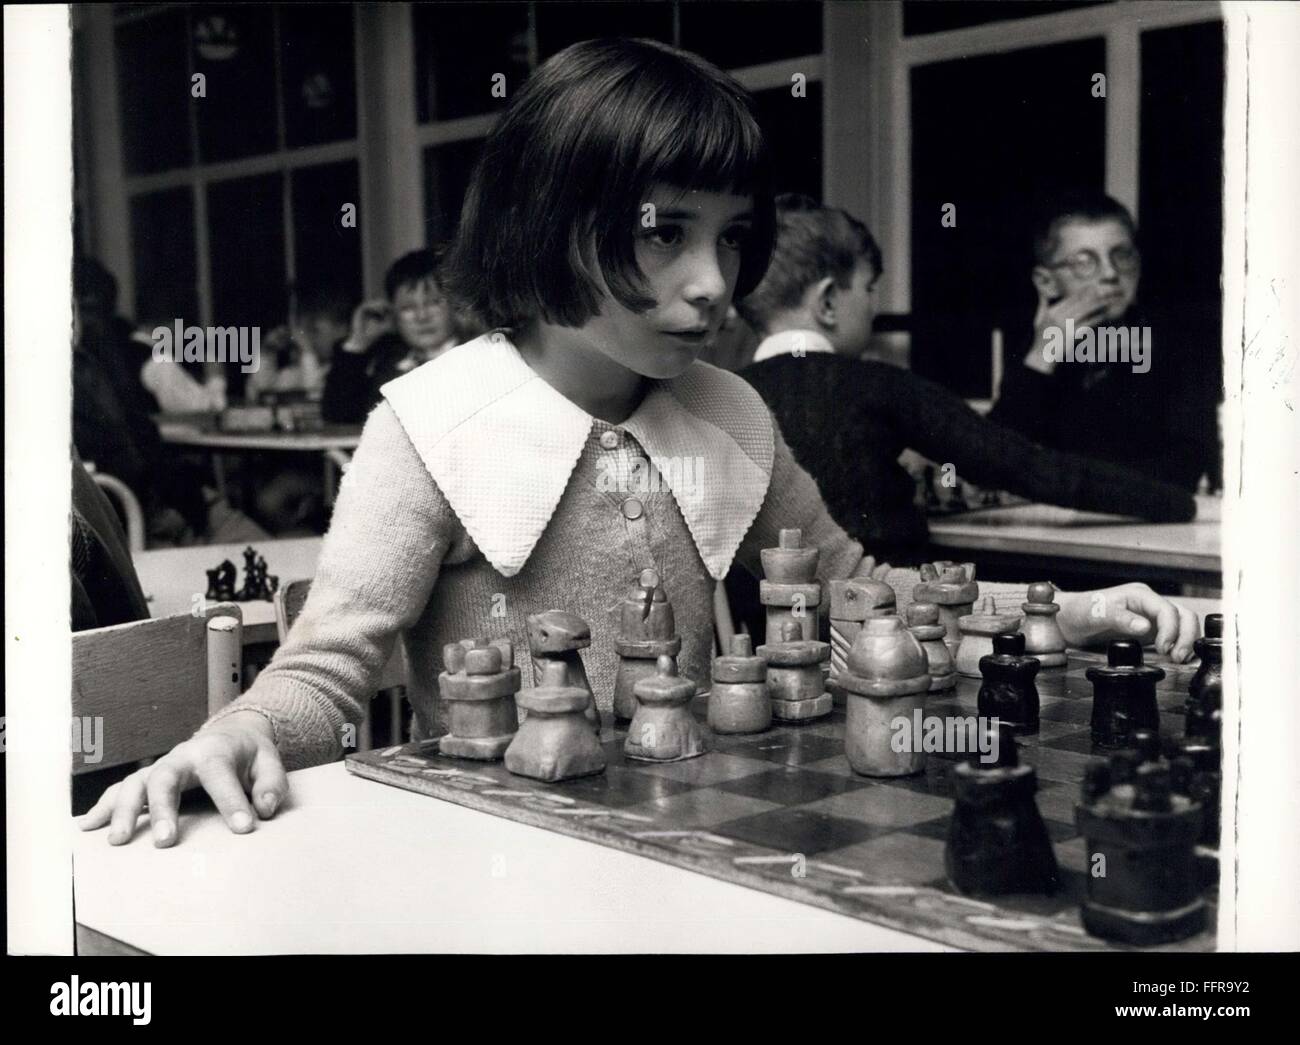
<point x="555" y="742"/>
<point x="478" y="688"/>
<point x="663" y="728"/>
<point x="1008" y="692"/>
<point x="852" y="602"/>
<point x="952" y="588"/>
<point x="647" y="630"/>
<point x="1205" y="691"/>
<point x="923" y="623"/>
<point x="738" y="700"/>
<point x="977" y="631"/>
<point x="1043" y="638"/>
<point x="1123" y="695"/>
<point x="560" y="636"/>
<point x="794" y="675"/>
<point x="1141" y="834"/>
<point x="790" y="589"/>
<point x="886" y="679"/>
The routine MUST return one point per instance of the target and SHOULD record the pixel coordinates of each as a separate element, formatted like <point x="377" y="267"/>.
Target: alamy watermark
<point x="957" y="734"/>
<point x="684" y="476"/>
<point x="181" y="344"/>
<point x="1099" y="345"/>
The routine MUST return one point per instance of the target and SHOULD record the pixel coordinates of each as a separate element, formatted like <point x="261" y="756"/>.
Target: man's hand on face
<point x="1085" y="307"/>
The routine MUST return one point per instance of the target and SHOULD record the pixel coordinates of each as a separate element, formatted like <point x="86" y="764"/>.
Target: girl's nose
<point x="706" y="283"/>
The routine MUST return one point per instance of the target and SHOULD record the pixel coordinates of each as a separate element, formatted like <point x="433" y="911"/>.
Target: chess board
<point x="782" y="811"/>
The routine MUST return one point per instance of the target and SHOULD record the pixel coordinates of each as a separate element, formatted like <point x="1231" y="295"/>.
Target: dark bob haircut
<point x="812" y="243"/>
<point x="555" y="199"/>
<point x="1075" y="206"/>
<point x="412" y="269"/>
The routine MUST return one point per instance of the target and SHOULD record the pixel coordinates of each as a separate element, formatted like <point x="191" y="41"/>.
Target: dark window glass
<point x="459" y="47"/>
<point x="318" y="71"/>
<point x="325" y="252"/>
<point x="734" y="34"/>
<point x="234" y="49"/>
<point x="154" y="92"/>
<point x="793" y="127"/>
<point x="934" y="16"/>
<point x="163" y="256"/>
<point x="561" y="24"/>
<point x="993" y="135"/>
<point x="447" y="170"/>
<point x="246" y="237"/>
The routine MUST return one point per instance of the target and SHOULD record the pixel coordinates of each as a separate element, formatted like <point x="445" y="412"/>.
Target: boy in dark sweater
<point x="848" y="420"/>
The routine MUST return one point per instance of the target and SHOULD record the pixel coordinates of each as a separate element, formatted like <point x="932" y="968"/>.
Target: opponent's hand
<point x="868" y="568"/>
<point x="1085" y="307"/>
<point x="1129" y="611"/>
<point x="370" y="321"/>
<point x="232" y="759"/>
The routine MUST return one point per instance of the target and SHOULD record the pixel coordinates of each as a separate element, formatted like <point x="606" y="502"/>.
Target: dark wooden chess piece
<point x="478" y="688"/>
<point x="1205" y="691"/>
<point x="560" y="636"/>
<point x="789" y="588"/>
<point x="886" y="680"/>
<point x="1143" y="882"/>
<point x="794" y="675"/>
<point x="647" y="630"/>
<point x="1008" y="692"/>
<point x="952" y="588"/>
<point x="555" y="742"/>
<point x="663" y="728"/>
<point x="1043" y="638"/>
<point x="997" y="841"/>
<point x="738" y="700"/>
<point x="853" y="601"/>
<point x="1123" y="695"/>
<point x="923" y="623"/>
<point x="221" y="582"/>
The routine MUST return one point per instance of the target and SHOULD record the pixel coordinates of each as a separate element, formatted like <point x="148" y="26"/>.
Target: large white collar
<point x="501" y="444"/>
<point x="792" y="343"/>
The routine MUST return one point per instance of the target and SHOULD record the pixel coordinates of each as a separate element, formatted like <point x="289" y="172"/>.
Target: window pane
<point x="737" y="33"/>
<point x="459" y="47"/>
<point x="154" y="92"/>
<point x="992" y="136"/>
<point x="317" y="63"/>
<point x="933" y="16"/>
<point x="447" y="170"/>
<point x="793" y="127"/>
<point x="233" y="48"/>
<point x="561" y="24"/>
<point x="246" y="238"/>
<point x="325" y="252"/>
<point x="163" y="257"/>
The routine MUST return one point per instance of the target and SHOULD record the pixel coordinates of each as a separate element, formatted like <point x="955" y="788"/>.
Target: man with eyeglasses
<point x="1158" y="418"/>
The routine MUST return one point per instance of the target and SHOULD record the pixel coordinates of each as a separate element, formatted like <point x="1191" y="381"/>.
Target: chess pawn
<point x="1205" y="691"/>
<point x="555" y="742"/>
<point x="663" y="728"/>
<point x="977" y="631"/>
<point x="478" y="688"/>
<point x="852" y="602"/>
<point x="647" y="630"/>
<point x="923" y="623"/>
<point x="1123" y="695"/>
<point x="953" y="590"/>
<point x="794" y="675"/>
<point x="1140" y="838"/>
<point x="886" y="678"/>
<point x="557" y="635"/>
<point x="1043" y="638"/>
<point x="1008" y="692"/>
<point x="997" y="841"/>
<point x="738" y="700"/>
<point x="1196" y="770"/>
<point x="790" y="589"/>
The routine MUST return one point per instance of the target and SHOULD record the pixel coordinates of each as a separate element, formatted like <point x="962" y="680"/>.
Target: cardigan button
<point x="632" y="508"/>
<point x="609" y="440"/>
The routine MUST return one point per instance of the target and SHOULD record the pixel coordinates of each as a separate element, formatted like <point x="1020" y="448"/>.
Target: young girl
<point x="621" y="202"/>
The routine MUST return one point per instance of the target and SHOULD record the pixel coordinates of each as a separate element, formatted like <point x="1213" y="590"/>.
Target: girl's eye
<point x="735" y="239"/>
<point x="665" y="235"/>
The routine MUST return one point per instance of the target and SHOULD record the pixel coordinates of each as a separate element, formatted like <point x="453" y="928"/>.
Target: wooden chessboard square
<point x="1066" y="711"/>
<point x="1079" y="742"/>
<point x="1057" y="801"/>
<point x="894" y="859"/>
<point x="791" y="747"/>
<point x="884" y="806"/>
<point x="790" y="785"/>
<point x="1055" y="764"/>
<point x="713" y="768"/>
<point x="704" y="807"/>
<point x="936" y="780"/>
<point x="619" y="787"/>
<point x="799" y="830"/>
<point x="1049" y="731"/>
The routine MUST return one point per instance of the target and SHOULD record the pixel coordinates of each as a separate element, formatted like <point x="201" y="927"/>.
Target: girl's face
<point x="423" y="317"/>
<point x="688" y="245"/>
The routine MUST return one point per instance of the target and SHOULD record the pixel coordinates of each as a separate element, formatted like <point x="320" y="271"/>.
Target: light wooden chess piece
<point x="1043" y="638"/>
<point x="923" y="623"/>
<point x="886" y="678"/>
<point x="647" y="630"/>
<point x="951" y="587"/>
<point x="663" y="728"/>
<point x="977" y="631"/>
<point x="789" y="588"/>
<point x="738" y="700"/>
<point x="853" y="601"/>
<point x="794" y="675"/>
<point x="558" y="635"/>
<point x="555" y="742"/>
<point x="478" y="689"/>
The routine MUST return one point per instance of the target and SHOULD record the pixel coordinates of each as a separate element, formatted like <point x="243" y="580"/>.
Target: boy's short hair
<point x="412" y="269"/>
<point x="812" y="242"/>
<point x="558" y="191"/>
<point x="1075" y="206"/>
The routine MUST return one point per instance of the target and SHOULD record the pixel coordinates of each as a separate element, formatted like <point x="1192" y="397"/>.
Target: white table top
<point x="352" y="866"/>
<point x="1087" y="536"/>
<point x="183" y="433"/>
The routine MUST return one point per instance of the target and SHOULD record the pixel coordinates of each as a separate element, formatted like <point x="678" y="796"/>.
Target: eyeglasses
<point x="1085" y="264"/>
<point x="417" y="308"/>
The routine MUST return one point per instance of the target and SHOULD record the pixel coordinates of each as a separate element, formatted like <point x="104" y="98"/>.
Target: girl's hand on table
<point x="1129" y="611"/>
<point x="231" y="760"/>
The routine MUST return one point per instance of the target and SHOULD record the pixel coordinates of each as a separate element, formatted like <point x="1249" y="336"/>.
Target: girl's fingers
<point x="164" y="788"/>
<point x="1188" y="630"/>
<point x="127" y="809"/>
<point x="217" y="775"/>
<point x="270" y="782"/>
<point x="99" y="814"/>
